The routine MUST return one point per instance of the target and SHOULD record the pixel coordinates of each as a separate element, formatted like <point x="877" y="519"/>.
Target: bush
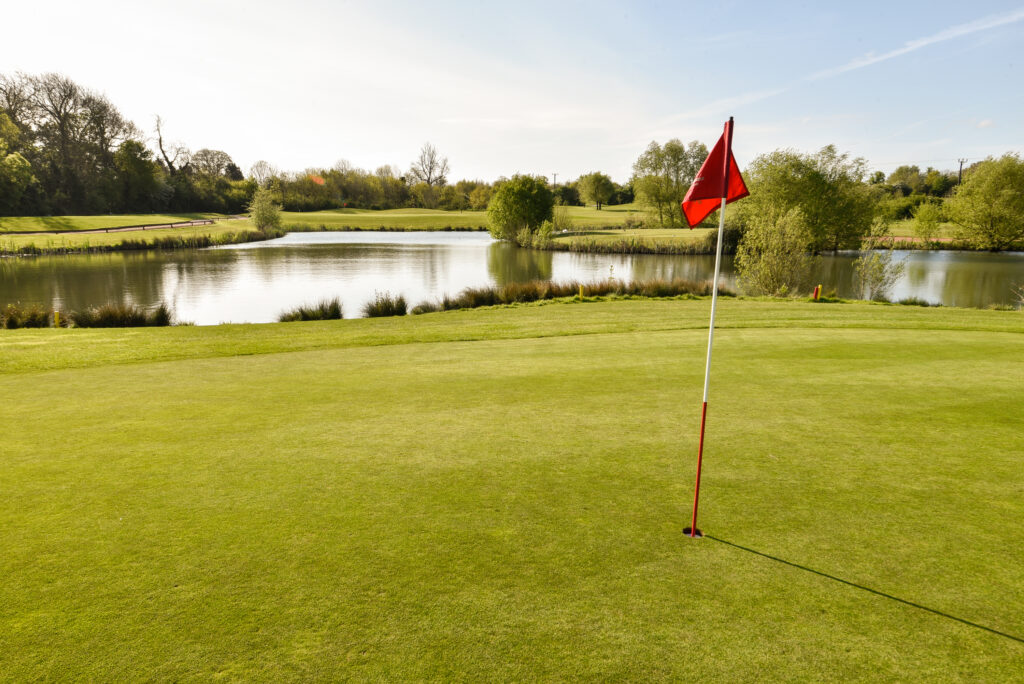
<point x="875" y="274"/>
<point x="121" y="316"/>
<point x="15" y="316"/>
<point x="327" y="309"/>
<point x="773" y="259"/>
<point x="385" y="304"/>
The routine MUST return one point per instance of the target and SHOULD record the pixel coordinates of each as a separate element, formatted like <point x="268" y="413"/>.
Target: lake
<point x="255" y="282"/>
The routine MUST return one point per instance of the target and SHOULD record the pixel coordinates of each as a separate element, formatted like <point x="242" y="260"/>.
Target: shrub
<point x="385" y="304"/>
<point x="327" y="309"/>
<point x="15" y="316"/>
<point x="121" y="316"/>
<point x="875" y="274"/>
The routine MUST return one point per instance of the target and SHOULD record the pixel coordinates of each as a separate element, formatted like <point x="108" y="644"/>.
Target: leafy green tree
<point x="828" y="189"/>
<point x="663" y="174"/>
<point x="876" y="274"/>
<point x="907" y="179"/>
<point x="773" y="257"/>
<point x="938" y="183"/>
<point x="480" y="197"/>
<point x="265" y="213"/>
<point x="989" y="204"/>
<point x="596" y="187"/>
<point x="928" y="217"/>
<point x="519" y="207"/>
<point x="137" y="174"/>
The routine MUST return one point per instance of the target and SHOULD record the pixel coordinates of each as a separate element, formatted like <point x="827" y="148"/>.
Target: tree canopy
<point x="989" y="204"/>
<point x="827" y="187"/>
<point x="663" y="174"/>
<point x="595" y="187"/>
<point x="519" y="207"/>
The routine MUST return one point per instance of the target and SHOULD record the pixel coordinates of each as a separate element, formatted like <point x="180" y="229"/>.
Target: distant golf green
<point x="499" y="494"/>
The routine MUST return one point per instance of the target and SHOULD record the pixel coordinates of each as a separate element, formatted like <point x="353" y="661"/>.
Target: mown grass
<point x="25" y="224"/>
<point x="324" y="310"/>
<point x="500" y="493"/>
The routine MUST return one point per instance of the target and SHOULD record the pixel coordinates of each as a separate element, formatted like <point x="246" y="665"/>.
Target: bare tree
<point x="430" y="167"/>
<point x="179" y="156"/>
<point x="16" y="99"/>
<point x="262" y="172"/>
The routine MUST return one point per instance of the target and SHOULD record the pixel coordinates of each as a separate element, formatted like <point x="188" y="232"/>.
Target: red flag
<point x="714" y="181"/>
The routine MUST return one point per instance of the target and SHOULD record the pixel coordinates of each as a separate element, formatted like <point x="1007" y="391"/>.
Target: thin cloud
<point x="959" y="31"/>
<point x="726" y="104"/>
<point x="986" y="123"/>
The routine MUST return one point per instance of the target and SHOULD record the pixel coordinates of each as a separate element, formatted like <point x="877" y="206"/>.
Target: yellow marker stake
<point x="56" y="319"/>
<point x="581" y="293"/>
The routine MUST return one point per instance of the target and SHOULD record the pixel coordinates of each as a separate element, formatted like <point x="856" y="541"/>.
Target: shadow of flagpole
<point x="867" y="589"/>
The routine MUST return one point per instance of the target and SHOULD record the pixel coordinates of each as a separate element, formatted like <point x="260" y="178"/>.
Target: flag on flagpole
<point x="709" y="186"/>
<point x="717" y="183"/>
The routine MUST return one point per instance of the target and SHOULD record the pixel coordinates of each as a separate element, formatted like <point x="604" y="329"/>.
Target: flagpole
<point x="694" y="532"/>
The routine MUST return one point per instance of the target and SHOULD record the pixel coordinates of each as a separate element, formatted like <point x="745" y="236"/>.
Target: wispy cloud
<point x="958" y="31"/>
<point x="985" y="123"/>
<point x="727" y="104"/>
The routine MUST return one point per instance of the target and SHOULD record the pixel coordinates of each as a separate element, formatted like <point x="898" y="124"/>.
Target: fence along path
<point x="147" y="226"/>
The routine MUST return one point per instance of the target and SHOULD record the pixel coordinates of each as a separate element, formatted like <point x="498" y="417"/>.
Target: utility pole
<point x="960" y="175"/>
<point x="555" y="183"/>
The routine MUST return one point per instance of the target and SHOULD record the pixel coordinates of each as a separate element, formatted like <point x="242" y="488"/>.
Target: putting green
<point x="499" y="494"/>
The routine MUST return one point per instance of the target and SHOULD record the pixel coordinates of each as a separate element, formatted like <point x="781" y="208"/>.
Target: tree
<point x="596" y="187"/>
<point x="175" y="155"/>
<point x="908" y="179"/>
<point x="265" y="214"/>
<point x="211" y="162"/>
<point x="989" y="204"/>
<point x="662" y="175"/>
<point x="828" y="188"/>
<point x="927" y="218"/>
<point x="938" y="183"/>
<point x="519" y="207"/>
<point x="876" y="274"/>
<point x="773" y="257"/>
<point x="430" y="167"/>
<point x="262" y="172"/>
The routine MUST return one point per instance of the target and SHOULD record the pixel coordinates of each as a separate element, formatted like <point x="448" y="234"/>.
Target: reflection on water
<point x="255" y="282"/>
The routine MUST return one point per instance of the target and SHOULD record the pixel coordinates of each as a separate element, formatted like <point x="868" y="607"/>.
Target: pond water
<point x="255" y="282"/>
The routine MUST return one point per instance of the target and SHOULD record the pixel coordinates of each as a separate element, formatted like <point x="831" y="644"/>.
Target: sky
<point x="544" y="88"/>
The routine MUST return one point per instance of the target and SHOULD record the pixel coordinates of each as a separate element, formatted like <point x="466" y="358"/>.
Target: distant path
<point x="127" y="229"/>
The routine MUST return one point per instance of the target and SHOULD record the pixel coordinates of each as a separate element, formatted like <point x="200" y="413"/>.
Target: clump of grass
<point x="915" y="301"/>
<point x="15" y="316"/>
<point x="122" y="316"/>
<point x="385" y="304"/>
<point x="537" y="290"/>
<point x="426" y="307"/>
<point x="327" y="309"/>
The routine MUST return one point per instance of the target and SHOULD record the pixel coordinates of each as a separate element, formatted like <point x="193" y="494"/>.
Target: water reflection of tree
<point x="508" y="263"/>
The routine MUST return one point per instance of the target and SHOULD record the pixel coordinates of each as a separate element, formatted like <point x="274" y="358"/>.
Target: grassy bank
<point x="220" y="233"/>
<point x="499" y="494"/>
<point x="28" y="224"/>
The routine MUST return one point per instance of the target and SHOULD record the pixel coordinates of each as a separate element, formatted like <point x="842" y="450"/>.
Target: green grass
<point x="498" y="494"/>
<point x="25" y="224"/>
<point x="71" y="241"/>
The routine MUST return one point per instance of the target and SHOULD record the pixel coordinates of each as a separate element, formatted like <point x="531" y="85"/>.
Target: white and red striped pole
<point x="692" y="529"/>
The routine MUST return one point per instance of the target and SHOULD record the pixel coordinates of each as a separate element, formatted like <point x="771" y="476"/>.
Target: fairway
<point x="499" y="495"/>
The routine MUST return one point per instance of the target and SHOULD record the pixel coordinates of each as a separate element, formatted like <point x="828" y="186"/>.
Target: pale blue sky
<point x="543" y="87"/>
